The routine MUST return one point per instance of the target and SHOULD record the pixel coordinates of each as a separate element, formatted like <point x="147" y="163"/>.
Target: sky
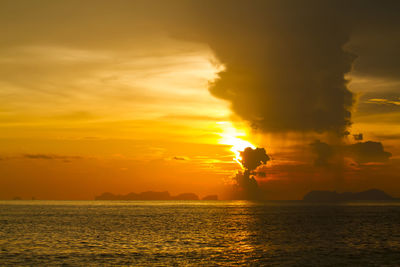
<point x="131" y="96"/>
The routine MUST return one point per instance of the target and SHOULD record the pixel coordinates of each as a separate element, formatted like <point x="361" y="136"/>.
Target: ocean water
<point x="198" y="233"/>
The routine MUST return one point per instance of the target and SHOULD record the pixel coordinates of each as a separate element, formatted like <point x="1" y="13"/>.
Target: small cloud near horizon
<point x="50" y="157"/>
<point x="179" y="158"/>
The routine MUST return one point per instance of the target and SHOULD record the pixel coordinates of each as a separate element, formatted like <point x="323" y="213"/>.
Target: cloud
<point x="324" y="152"/>
<point x="246" y="186"/>
<point x="377" y="103"/>
<point x="360" y="152"/>
<point x="252" y="158"/>
<point x="375" y="37"/>
<point x="383" y="101"/>
<point x="179" y="158"/>
<point x="284" y="61"/>
<point x="369" y="151"/>
<point x="50" y="157"/>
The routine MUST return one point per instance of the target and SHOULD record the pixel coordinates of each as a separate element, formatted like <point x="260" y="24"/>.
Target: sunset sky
<point x="131" y="96"/>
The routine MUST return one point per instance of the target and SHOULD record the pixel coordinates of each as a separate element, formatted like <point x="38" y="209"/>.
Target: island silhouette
<point x="153" y="195"/>
<point x="312" y="196"/>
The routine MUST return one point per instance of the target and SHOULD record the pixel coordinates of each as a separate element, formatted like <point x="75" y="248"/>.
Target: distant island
<point x="151" y="195"/>
<point x="333" y="196"/>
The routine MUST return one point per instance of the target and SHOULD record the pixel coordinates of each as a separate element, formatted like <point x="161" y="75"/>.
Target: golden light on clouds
<point x="234" y="138"/>
<point x="114" y="109"/>
<point x="87" y="89"/>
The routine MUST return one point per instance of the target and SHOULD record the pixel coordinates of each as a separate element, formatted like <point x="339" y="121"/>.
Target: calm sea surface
<point x="205" y="233"/>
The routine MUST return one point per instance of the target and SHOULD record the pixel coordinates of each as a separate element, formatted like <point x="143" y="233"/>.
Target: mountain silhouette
<point x="148" y="195"/>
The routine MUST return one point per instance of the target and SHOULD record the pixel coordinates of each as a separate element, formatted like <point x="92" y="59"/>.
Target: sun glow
<point x="235" y="138"/>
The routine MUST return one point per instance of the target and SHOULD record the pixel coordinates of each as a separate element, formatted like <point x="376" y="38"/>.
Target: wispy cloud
<point x="384" y="101"/>
<point x="179" y="158"/>
<point x="50" y="157"/>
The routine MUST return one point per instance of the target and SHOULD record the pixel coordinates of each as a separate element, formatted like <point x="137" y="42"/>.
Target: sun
<point x="235" y="138"/>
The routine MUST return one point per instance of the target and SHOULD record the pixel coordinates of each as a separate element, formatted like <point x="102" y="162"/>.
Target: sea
<point x="198" y="233"/>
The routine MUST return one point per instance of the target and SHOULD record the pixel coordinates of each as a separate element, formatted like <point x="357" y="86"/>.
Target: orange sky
<point x="112" y="102"/>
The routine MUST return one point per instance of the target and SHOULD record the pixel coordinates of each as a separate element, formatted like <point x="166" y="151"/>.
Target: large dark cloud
<point x="284" y="62"/>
